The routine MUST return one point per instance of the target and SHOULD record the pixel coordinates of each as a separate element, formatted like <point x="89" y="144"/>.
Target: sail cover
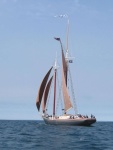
<point x="46" y="94"/>
<point x="41" y="89"/>
<point x="67" y="101"/>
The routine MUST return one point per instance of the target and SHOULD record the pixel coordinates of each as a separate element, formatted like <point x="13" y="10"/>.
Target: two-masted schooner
<point x="49" y="85"/>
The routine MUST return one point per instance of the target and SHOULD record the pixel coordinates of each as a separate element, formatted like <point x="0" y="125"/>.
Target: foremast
<point x="55" y="72"/>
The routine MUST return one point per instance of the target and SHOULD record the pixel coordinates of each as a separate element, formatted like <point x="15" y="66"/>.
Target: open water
<point x="36" y="135"/>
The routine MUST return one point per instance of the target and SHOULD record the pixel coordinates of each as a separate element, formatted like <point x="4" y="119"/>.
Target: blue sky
<point x="27" y="50"/>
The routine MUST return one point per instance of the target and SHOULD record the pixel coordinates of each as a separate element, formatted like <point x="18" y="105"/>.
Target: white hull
<point x="69" y="121"/>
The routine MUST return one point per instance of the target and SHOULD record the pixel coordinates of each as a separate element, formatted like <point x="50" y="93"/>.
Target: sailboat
<point x="49" y="85"/>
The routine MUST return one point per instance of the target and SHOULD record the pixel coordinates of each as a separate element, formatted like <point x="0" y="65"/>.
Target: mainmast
<point x="67" y="51"/>
<point x="67" y="36"/>
<point x="65" y="64"/>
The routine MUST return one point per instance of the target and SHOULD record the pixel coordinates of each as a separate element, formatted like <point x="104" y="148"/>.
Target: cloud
<point x="39" y="9"/>
<point x="13" y="92"/>
<point x="5" y="1"/>
<point x="15" y="1"/>
<point x="78" y="6"/>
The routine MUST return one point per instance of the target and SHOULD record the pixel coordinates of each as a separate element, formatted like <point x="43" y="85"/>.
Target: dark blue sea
<point x="36" y="135"/>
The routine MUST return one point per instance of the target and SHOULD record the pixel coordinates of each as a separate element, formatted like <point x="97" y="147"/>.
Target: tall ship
<point x="56" y="96"/>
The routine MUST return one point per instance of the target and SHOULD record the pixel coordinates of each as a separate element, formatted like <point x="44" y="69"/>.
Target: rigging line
<point x="66" y="17"/>
<point x="48" y="99"/>
<point x="73" y="94"/>
<point x="59" y="96"/>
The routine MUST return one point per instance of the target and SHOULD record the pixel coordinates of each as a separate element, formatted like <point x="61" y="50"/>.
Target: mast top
<point x="55" y="66"/>
<point x="68" y="59"/>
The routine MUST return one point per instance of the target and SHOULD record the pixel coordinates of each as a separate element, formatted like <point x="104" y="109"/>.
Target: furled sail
<point x="67" y="101"/>
<point x="41" y="89"/>
<point x="46" y="94"/>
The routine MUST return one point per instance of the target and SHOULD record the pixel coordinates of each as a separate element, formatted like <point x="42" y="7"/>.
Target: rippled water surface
<point x="34" y="135"/>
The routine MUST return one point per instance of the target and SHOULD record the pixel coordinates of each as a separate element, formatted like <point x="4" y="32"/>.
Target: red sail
<point x="46" y="94"/>
<point x="64" y="67"/>
<point x="41" y="89"/>
<point x="67" y="101"/>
